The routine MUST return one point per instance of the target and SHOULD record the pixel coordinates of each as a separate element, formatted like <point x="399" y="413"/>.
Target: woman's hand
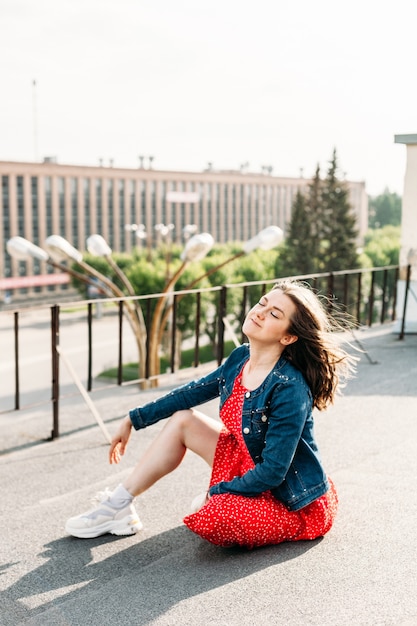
<point x="120" y="441"/>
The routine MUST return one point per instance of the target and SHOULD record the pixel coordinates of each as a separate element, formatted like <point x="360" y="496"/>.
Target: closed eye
<point x="273" y="311"/>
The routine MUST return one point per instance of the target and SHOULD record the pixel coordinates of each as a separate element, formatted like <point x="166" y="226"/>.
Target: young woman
<point x="267" y="481"/>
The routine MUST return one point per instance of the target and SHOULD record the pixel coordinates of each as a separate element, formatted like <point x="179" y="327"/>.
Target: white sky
<point x="227" y="81"/>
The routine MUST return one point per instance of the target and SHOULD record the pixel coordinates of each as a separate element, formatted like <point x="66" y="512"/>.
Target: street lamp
<point x="61" y="249"/>
<point x="165" y="233"/>
<point x="266" y="239"/>
<point x="188" y="230"/>
<point x="22" y="249"/>
<point x="195" y="249"/>
<point x="138" y="229"/>
<point x="97" y="246"/>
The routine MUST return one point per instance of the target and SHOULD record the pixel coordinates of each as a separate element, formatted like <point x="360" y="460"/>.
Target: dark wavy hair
<point x="317" y="353"/>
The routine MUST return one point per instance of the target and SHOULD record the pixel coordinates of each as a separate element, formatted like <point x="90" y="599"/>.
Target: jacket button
<point x="246" y="431"/>
<point x="264" y="418"/>
<point x="247" y="394"/>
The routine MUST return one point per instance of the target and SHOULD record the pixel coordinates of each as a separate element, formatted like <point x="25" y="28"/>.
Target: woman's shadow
<point x="150" y="576"/>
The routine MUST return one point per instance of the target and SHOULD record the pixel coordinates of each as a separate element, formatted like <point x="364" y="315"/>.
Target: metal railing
<point x="369" y="296"/>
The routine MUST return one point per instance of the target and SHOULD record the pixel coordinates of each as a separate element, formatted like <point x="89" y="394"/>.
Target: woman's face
<point x="269" y="320"/>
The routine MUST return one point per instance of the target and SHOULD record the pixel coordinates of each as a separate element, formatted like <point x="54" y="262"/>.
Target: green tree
<point x="382" y="246"/>
<point x="315" y="217"/>
<point x="338" y="229"/>
<point x="385" y="210"/>
<point x="322" y="231"/>
<point x="298" y="249"/>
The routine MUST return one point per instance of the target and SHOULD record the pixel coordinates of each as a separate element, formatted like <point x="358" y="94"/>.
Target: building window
<point x="87" y="206"/>
<point x="216" y="207"/>
<point x="164" y="216"/>
<point x="74" y="211"/>
<point x="122" y="231"/>
<point x="20" y="206"/>
<point x="153" y="199"/>
<point x="35" y="209"/>
<point x="143" y="202"/>
<point x="6" y="222"/>
<point x="200" y="220"/>
<point x="61" y="204"/>
<point x="132" y="194"/>
<point x="110" y="191"/>
<point x="242" y="216"/>
<point x="48" y="204"/>
<point x="22" y="265"/>
<point x="99" y="205"/>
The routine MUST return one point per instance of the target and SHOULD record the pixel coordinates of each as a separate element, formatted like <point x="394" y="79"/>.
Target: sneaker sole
<point x="123" y="527"/>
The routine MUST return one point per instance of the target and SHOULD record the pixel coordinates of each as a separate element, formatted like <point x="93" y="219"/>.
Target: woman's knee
<point x="182" y="419"/>
<point x="197" y="431"/>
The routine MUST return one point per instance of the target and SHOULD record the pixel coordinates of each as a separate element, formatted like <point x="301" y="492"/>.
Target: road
<point x="35" y="352"/>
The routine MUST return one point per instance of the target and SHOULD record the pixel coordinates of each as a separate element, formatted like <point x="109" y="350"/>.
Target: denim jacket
<point x="277" y="427"/>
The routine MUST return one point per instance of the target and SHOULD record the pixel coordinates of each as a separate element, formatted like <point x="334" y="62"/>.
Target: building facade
<point x="41" y="199"/>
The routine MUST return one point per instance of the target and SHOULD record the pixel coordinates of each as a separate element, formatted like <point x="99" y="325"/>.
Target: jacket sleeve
<point x="184" y="397"/>
<point x="289" y="409"/>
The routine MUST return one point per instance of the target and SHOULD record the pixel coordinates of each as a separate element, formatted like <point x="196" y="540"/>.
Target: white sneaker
<point x="104" y="518"/>
<point x="198" y="502"/>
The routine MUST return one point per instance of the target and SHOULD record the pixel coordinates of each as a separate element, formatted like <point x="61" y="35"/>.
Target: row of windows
<point x="77" y="207"/>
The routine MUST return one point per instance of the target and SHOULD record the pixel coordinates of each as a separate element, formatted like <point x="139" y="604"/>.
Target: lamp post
<point x="165" y="233"/>
<point x="140" y="232"/>
<point x="266" y="239"/>
<point x="60" y="248"/>
<point x="195" y="249"/>
<point x="97" y="246"/>
<point x="22" y="249"/>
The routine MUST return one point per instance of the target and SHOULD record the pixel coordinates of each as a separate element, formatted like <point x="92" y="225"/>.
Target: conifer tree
<point x="339" y="235"/>
<point x="297" y="252"/>
<point x="321" y="234"/>
<point x="314" y="215"/>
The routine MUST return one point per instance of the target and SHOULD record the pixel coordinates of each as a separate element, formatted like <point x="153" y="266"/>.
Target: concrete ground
<point x="363" y="572"/>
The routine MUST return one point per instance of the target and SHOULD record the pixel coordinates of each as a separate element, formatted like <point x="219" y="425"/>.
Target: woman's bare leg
<point x="184" y="430"/>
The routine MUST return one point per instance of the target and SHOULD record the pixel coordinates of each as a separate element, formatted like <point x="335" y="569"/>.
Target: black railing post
<point x="407" y="286"/>
<point x="120" y="357"/>
<point x="384" y="295"/>
<point x="394" y="303"/>
<point x="197" y="330"/>
<point x="148" y="339"/>
<point x="90" y="344"/>
<point x="371" y="300"/>
<point x="220" y="333"/>
<point x="243" y="310"/>
<point x="55" y="370"/>
<point x="16" y="362"/>
<point x="359" y="299"/>
<point x="173" y="333"/>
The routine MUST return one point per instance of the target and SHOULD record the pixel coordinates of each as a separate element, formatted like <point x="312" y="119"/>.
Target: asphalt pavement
<point x="363" y="572"/>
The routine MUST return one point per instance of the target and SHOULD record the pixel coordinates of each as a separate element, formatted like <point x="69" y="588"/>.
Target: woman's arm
<point x="185" y="397"/>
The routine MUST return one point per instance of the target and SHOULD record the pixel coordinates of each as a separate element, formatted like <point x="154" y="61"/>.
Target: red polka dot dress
<point x="229" y="520"/>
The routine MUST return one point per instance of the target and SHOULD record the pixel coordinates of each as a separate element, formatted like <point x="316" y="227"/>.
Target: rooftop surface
<point x="363" y="572"/>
